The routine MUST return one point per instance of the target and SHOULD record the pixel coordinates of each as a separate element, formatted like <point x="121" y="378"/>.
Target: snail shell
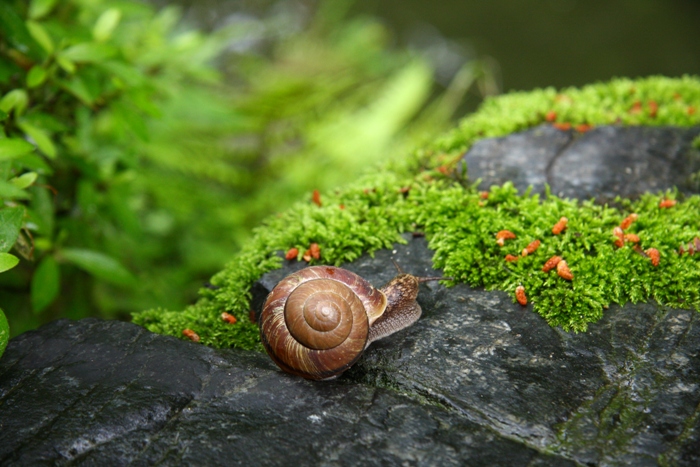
<point x="315" y="323"/>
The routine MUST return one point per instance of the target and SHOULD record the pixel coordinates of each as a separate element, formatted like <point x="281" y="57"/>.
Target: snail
<point x="317" y="322"/>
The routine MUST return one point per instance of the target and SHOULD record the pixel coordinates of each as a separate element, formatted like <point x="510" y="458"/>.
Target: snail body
<point x="317" y="322"/>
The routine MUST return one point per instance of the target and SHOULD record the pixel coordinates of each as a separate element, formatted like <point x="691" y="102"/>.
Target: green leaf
<point x="99" y="265"/>
<point x="40" y="36"/>
<point x="36" y="76"/>
<point x="128" y="116"/>
<point x="42" y="212"/>
<point x="4" y="332"/>
<point x="16" y="33"/>
<point x="106" y="24"/>
<point x="8" y="190"/>
<point x="34" y="162"/>
<point x="24" y="180"/>
<point x="67" y="65"/>
<point x="77" y="87"/>
<point x="16" y="99"/>
<point x="10" y="224"/>
<point x="49" y="122"/>
<point x="45" y="284"/>
<point x="89" y="52"/>
<point x="128" y="73"/>
<point x="40" y="137"/>
<point x="7" y="261"/>
<point x="14" y="147"/>
<point x="8" y="70"/>
<point x="40" y="8"/>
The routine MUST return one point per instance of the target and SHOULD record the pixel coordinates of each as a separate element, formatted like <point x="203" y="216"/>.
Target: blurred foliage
<point x="137" y="153"/>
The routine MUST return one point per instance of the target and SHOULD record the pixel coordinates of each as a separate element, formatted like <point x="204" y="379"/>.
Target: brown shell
<point x="315" y="322"/>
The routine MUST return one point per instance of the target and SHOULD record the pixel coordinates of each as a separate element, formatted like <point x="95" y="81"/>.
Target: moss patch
<point x="462" y="229"/>
<point x="421" y="192"/>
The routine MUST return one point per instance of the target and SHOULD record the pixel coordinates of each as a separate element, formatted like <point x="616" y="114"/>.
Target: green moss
<point x="462" y="229"/>
<point x="621" y="101"/>
<point x="617" y="417"/>
<point x="460" y="226"/>
<point x="371" y="219"/>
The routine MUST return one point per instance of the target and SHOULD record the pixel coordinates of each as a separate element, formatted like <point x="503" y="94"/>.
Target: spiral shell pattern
<point x="315" y="322"/>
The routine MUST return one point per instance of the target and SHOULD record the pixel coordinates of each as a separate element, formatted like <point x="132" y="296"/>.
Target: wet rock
<point x="478" y="380"/>
<point x="112" y="393"/>
<point x="625" y="392"/>
<point x="601" y="163"/>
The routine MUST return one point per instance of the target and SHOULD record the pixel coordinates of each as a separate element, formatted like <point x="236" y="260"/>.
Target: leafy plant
<point x="81" y="82"/>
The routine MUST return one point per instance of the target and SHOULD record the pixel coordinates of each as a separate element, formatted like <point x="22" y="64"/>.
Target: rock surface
<point x="601" y="163"/>
<point x="478" y="380"/>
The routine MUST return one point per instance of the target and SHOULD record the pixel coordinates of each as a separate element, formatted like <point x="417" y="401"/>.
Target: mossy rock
<point x="478" y="380"/>
<point x="430" y="192"/>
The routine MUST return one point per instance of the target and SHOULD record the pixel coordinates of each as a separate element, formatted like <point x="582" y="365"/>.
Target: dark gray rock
<point x="602" y="163"/>
<point x="625" y="392"/>
<point x="521" y="158"/>
<point x="111" y="393"/>
<point x="478" y="380"/>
